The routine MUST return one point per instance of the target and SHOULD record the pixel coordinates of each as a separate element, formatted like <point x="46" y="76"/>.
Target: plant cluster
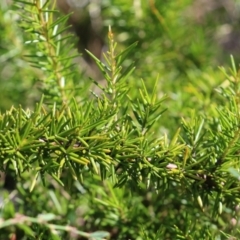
<point x="98" y="165"/>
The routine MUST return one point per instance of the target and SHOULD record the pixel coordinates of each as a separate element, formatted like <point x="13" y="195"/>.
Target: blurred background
<point x="181" y="42"/>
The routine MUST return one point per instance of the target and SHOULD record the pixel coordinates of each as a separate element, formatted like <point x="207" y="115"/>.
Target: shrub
<point x="118" y="164"/>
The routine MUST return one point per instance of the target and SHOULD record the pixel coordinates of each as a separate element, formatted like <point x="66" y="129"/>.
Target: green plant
<point x="98" y="166"/>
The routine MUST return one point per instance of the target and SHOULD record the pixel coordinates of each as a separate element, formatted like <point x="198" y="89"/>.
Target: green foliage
<point x="98" y="166"/>
<point x="15" y="86"/>
<point x="48" y="53"/>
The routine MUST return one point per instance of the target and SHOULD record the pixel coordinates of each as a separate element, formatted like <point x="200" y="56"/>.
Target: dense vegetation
<point x="136" y="137"/>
